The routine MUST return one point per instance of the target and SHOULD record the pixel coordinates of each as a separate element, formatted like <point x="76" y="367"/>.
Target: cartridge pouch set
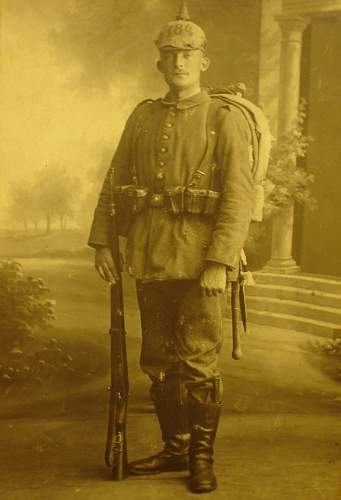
<point x="131" y="200"/>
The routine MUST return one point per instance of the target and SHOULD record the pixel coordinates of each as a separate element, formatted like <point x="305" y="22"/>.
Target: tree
<point x="56" y="194"/>
<point x="53" y="194"/>
<point x="19" y="204"/>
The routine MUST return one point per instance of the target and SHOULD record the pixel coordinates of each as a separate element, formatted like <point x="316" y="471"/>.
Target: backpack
<point x="261" y="138"/>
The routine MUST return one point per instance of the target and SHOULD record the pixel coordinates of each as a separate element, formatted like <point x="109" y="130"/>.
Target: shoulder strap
<point x="207" y="164"/>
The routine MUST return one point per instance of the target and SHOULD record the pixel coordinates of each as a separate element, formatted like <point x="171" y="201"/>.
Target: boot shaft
<point x="203" y="419"/>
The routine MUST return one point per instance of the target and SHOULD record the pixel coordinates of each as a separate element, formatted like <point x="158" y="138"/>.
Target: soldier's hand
<point x="105" y="265"/>
<point x="213" y="279"/>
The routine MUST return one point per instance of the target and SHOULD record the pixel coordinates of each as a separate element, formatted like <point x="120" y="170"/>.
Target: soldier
<point x="182" y="184"/>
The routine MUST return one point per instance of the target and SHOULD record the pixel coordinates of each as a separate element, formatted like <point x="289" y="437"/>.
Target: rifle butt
<point x="120" y="467"/>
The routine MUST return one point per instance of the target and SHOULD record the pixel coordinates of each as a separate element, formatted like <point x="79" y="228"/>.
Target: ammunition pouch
<point x="131" y="200"/>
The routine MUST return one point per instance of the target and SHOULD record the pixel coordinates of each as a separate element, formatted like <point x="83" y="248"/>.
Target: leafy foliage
<point x="47" y="363"/>
<point x="286" y="181"/>
<point x="27" y="361"/>
<point x="25" y="365"/>
<point x="332" y="348"/>
<point x="23" y="306"/>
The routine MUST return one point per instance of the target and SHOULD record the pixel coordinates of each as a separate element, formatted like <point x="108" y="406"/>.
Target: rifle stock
<point x="116" y="443"/>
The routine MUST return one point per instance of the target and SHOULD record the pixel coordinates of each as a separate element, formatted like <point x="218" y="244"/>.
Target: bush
<point x="50" y="363"/>
<point x="331" y="348"/>
<point x="35" y="363"/>
<point x="23" y="306"/>
<point x="29" y="362"/>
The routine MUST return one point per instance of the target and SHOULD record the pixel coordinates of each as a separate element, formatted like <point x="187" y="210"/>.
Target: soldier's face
<point x="182" y="68"/>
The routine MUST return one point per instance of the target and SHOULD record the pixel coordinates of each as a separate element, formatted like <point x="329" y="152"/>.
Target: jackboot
<point x="175" y="433"/>
<point x="204" y="418"/>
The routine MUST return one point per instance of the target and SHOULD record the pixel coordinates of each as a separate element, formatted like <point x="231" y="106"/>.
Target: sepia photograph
<point x="170" y="249"/>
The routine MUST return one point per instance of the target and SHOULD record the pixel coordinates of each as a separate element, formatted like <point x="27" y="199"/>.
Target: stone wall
<point x="321" y="235"/>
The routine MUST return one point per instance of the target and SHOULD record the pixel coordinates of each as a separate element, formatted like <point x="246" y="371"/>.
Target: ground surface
<point x="279" y="438"/>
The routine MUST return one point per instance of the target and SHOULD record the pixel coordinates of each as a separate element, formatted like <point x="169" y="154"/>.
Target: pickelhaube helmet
<point x="181" y="34"/>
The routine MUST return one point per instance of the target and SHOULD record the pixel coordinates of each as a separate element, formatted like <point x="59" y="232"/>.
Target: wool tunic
<point x="166" y="144"/>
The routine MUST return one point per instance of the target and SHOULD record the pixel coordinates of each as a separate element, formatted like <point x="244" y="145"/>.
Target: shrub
<point x="23" y="306"/>
<point x="43" y="360"/>
<point x="331" y="348"/>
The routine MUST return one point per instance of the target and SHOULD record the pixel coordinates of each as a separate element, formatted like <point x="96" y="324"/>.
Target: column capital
<point x="292" y="26"/>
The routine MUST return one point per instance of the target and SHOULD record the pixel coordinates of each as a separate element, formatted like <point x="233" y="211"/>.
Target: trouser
<point x="181" y="340"/>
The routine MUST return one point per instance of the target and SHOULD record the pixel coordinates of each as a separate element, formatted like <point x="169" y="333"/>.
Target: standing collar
<point x="188" y="102"/>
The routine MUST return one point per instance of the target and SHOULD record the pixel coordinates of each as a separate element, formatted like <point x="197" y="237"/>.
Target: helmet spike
<point x="183" y="14"/>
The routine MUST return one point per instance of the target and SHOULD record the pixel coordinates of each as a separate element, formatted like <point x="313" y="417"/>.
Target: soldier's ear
<point x="205" y="63"/>
<point x="159" y="66"/>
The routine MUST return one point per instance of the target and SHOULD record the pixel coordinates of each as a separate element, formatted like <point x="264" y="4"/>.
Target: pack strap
<point x="208" y="163"/>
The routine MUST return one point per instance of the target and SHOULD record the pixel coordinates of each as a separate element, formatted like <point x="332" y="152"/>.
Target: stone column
<point x="269" y="61"/>
<point x="290" y="69"/>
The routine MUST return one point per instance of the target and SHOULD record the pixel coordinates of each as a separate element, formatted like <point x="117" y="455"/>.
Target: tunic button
<point x="161" y="163"/>
<point x="169" y="125"/>
<point x="160" y="176"/>
<point x="165" y="137"/>
<point x="163" y="150"/>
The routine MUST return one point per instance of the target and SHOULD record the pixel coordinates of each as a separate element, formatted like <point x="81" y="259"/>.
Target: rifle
<point x="116" y="444"/>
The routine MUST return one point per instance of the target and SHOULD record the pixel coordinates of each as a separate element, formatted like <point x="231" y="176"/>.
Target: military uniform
<point x="179" y="159"/>
<point x="193" y="143"/>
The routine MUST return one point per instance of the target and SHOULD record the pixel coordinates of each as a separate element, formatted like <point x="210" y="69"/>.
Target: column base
<point x="284" y="266"/>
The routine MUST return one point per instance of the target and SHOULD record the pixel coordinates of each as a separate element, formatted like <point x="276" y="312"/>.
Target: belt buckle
<point x="156" y="200"/>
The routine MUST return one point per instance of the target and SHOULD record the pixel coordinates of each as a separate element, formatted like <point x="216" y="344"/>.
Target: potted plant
<point x="286" y="183"/>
